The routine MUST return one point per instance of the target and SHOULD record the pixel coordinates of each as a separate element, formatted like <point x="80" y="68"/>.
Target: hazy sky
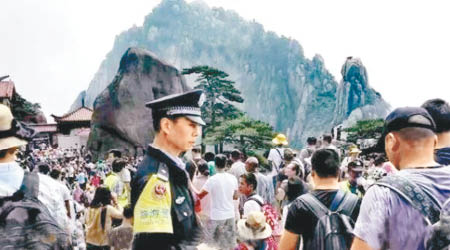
<point x="52" y="48"/>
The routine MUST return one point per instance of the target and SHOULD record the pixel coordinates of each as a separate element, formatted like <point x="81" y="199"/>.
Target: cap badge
<point x="201" y="100"/>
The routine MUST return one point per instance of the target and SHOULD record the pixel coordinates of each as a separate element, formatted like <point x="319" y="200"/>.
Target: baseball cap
<point x="409" y="117"/>
<point x="405" y="117"/>
<point x="356" y="166"/>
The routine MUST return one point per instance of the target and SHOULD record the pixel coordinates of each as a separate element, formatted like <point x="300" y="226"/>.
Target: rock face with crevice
<point x="120" y="118"/>
<point x="356" y="100"/>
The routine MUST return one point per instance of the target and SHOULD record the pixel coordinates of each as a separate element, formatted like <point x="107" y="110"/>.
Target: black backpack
<point x="26" y="223"/>
<point x="435" y="215"/>
<point x="334" y="229"/>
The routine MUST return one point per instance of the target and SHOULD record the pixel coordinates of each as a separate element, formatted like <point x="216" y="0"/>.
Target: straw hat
<point x="254" y="227"/>
<point x="280" y="139"/>
<point x="12" y="133"/>
<point x="355" y="150"/>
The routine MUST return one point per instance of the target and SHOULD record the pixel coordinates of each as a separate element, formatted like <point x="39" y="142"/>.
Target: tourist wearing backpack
<point x="276" y="155"/>
<point x="398" y="212"/>
<point x="252" y="202"/>
<point x="32" y="212"/>
<point x="265" y="187"/>
<point x="325" y="207"/>
<point x="306" y="154"/>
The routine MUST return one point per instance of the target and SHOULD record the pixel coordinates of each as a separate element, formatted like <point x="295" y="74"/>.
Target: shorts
<point x="221" y="233"/>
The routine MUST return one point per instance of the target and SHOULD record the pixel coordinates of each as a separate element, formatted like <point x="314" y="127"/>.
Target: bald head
<point x="251" y="164"/>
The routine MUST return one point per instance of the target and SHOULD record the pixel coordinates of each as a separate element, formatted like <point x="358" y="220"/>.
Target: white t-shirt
<point x="237" y="169"/>
<point x="331" y="146"/>
<point x="70" y="171"/>
<point x="125" y="175"/>
<point x="64" y="191"/>
<point x="251" y="205"/>
<point x="221" y="188"/>
<point x="276" y="156"/>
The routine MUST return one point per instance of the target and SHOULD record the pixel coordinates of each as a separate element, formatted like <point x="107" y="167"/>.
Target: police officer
<point x="163" y="205"/>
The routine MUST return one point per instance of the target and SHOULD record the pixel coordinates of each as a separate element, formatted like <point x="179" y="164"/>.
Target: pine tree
<point x="225" y="123"/>
<point x="221" y="95"/>
<point x="249" y="134"/>
<point x="365" y="129"/>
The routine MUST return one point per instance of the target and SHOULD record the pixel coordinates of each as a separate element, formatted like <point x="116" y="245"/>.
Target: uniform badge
<point x="201" y="100"/>
<point x="152" y="210"/>
<point x="160" y="190"/>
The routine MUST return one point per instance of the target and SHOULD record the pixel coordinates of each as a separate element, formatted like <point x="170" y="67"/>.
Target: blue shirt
<point x="443" y="156"/>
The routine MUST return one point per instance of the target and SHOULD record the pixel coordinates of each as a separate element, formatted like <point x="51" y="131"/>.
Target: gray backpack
<point x="26" y="223"/>
<point x="436" y="216"/>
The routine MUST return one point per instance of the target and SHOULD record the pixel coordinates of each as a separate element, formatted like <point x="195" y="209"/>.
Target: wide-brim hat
<point x="280" y="139"/>
<point x="355" y="151"/>
<point x="13" y="133"/>
<point x="254" y="227"/>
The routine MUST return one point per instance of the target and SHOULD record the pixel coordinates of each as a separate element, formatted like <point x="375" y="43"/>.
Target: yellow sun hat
<point x="280" y="139"/>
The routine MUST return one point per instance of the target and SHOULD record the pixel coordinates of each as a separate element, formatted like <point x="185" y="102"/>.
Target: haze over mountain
<point x="296" y="95"/>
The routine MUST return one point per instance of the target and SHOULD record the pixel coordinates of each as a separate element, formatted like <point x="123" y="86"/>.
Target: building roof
<point x="84" y="132"/>
<point x="6" y="89"/>
<point x="81" y="114"/>
<point x="44" y="128"/>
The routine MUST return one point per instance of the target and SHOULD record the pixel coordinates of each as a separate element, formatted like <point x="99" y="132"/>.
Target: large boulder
<point x="120" y="118"/>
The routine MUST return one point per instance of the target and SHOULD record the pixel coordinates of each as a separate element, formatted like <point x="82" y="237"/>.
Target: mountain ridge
<point x="304" y="94"/>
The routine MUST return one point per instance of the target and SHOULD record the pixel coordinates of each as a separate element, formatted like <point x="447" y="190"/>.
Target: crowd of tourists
<point x="322" y="196"/>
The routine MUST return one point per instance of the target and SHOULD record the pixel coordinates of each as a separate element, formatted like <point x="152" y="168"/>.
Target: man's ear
<point x="391" y="142"/>
<point x="435" y="141"/>
<point x="165" y="125"/>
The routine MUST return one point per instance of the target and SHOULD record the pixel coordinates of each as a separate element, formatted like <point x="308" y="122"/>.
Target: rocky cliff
<point x="356" y="100"/>
<point x="280" y="86"/>
<point x="120" y="118"/>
